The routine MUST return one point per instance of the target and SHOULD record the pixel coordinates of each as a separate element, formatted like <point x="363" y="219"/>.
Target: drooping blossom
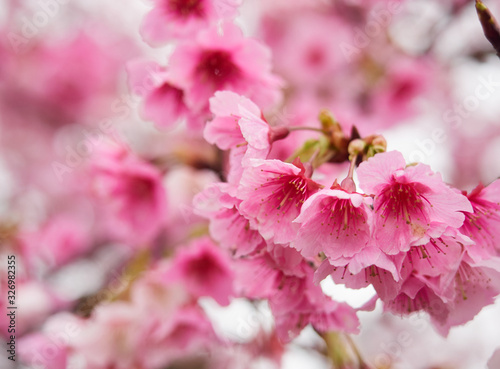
<point x="474" y="287"/>
<point x="334" y="222"/>
<point x="171" y="19"/>
<point x="440" y="279"/>
<point x="411" y="203"/>
<point x="483" y="225"/>
<point x="215" y="61"/>
<point x="297" y="302"/>
<point x="294" y="299"/>
<point x="370" y="266"/>
<point x="273" y="193"/>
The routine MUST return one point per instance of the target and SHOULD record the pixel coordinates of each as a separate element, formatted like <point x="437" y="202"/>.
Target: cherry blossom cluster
<point x="420" y="243"/>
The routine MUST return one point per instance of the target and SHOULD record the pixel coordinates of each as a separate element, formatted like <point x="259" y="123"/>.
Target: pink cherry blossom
<point x="418" y="294"/>
<point x="226" y="224"/>
<point x="132" y="195"/>
<point x="299" y="302"/>
<point x="257" y="277"/>
<point x="56" y="242"/>
<point x="238" y="121"/>
<point x="474" y="288"/>
<point x="273" y="193"/>
<point x="395" y="97"/>
<point x="305" y="53"/>
<point x="369" y="267"/>
<point x="411" y="203"/>
<point x="293" y="298"/>
<point x="163" y="101"/>
<point x="240" y="126"/>
<point x="483" y="225"/>
<point x="205" y="271"/>
<point x="178" y="19"/>
<point x="441" y="280"/>
<point x="228" y="108"/>
<point x="334" y="222"/>
<point x="188" y="331"/>
<point x="227" y="61"/>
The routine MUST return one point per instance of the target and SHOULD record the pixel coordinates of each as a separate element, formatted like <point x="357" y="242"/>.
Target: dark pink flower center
<point x="404" y="202"/>
<point x="293" y="192"/>
<point x="404" y="90"/>
<point x="186" y="8"/>
<point x="204" y="269"/>
<point x="141" y="189"/>
<point x="342" y="217"/>
<point x="217" y="67"/>
<point x="167" y="92"/>
<point x="315" y="57"/>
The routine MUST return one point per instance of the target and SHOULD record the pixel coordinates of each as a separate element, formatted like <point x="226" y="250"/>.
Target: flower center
<point x="186" y="8"/>
<point x="294" y="192"/>
<point x="141" y="188"/>
<point x="403" y="201"/>
<point x="217" y="67"/>
<point x="342" y="217"/>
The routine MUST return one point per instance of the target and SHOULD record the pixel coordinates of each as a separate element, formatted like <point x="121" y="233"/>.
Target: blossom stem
<point x="348" y="182"/>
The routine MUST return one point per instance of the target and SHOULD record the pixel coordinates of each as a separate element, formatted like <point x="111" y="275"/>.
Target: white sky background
<point x="482" y="334"/>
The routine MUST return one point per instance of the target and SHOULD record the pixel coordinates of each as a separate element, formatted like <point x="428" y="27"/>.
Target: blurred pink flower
<point x="163" y="101"/>
<point x="131" y="193"/>
<point x="204" y="270"/>
<point x="58" y="241"/>
<point x="171" y="19"/>
<point x="215" y="61"/>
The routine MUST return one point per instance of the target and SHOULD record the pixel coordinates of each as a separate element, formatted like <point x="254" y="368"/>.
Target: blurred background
<point x="419" y="72"/>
